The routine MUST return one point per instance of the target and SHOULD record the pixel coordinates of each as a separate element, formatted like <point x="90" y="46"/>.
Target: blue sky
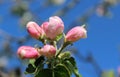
<point x="103" y="33"/>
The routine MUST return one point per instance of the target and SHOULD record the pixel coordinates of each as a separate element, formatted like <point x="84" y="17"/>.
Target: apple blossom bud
<point x="27" y="52"/>
<point x="48" y="51"/>
<point x="75" y="34"/>
<point x="35" y="30"/>
<point x="53" y="28"/>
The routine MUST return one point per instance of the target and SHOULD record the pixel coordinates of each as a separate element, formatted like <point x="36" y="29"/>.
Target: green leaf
<point x="68" y="67"/>
<point x="58" y="71"/>
<point x="71" y="65"/>
<point x="44" y="73"/>
<point x="64" y="55"/>
<point x="72" y="61"/>
<point x="77" y="73"/>
<point x="35" y="65"/>
<point x="32" y="61"/>
<point x="39" y="64"/>
<point x="59" y="37"/>
<point x="39" y="61"/>
<point x="30" y="69"/>
<point x="61" y="71"/>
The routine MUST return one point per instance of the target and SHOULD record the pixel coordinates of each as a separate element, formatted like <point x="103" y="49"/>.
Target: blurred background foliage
<point x="19" y="12"/>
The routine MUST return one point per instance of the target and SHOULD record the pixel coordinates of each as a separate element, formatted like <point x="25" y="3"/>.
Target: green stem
<point x="53" y="75"/>
<point x="63" y="46"/>
<point x="52" y="67"/>
<point x="54" y="43"/>
<point x="43" y="41"/>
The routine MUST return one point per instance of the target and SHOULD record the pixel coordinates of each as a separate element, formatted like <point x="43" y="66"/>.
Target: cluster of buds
<point x="49" y="31"/>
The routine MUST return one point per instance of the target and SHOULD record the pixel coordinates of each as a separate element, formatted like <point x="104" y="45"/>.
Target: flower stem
<point x="63" y="46"/>
<point x="54" y="43"/>
<point x="52" y="67"/>
<point x="53" y="74"/>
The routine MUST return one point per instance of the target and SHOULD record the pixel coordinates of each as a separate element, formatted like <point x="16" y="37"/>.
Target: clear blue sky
<point x="103" y="33"/>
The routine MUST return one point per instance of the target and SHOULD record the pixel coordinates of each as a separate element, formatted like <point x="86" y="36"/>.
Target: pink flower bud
<point x="48" y="51"/>
<point x="27" y="52"/>
<point x="75" y="34"/>
<point x="35" y="30"/>
<point x="53" y="28"/>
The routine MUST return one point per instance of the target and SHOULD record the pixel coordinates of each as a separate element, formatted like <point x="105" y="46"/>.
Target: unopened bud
<point x="27" y="52"/>
<point x="35" y="30"/>
<point x="48" y="51"/>
<point x="75" y="34"/>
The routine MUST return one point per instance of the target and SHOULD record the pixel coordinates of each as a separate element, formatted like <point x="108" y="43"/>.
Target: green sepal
<point x="59" y="37"/>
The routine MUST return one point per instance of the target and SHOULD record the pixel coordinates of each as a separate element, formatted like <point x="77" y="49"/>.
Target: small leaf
<point x="72" y="61"/>
<point x="58" y="71"/>
<point x="44" y="73"/>
<point x="39" y="61"/>
<point x="77" y="73"/>
<point x="68" y="67"/>
<point x="65" y="55"/>
<point x="71" y="65"/>
<point x="61" y="71"/>
<point x="32" y="61"/>
<point x="59" y="37"/>
<point x="73" y="68"/>
<point x="30" y="69"/>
